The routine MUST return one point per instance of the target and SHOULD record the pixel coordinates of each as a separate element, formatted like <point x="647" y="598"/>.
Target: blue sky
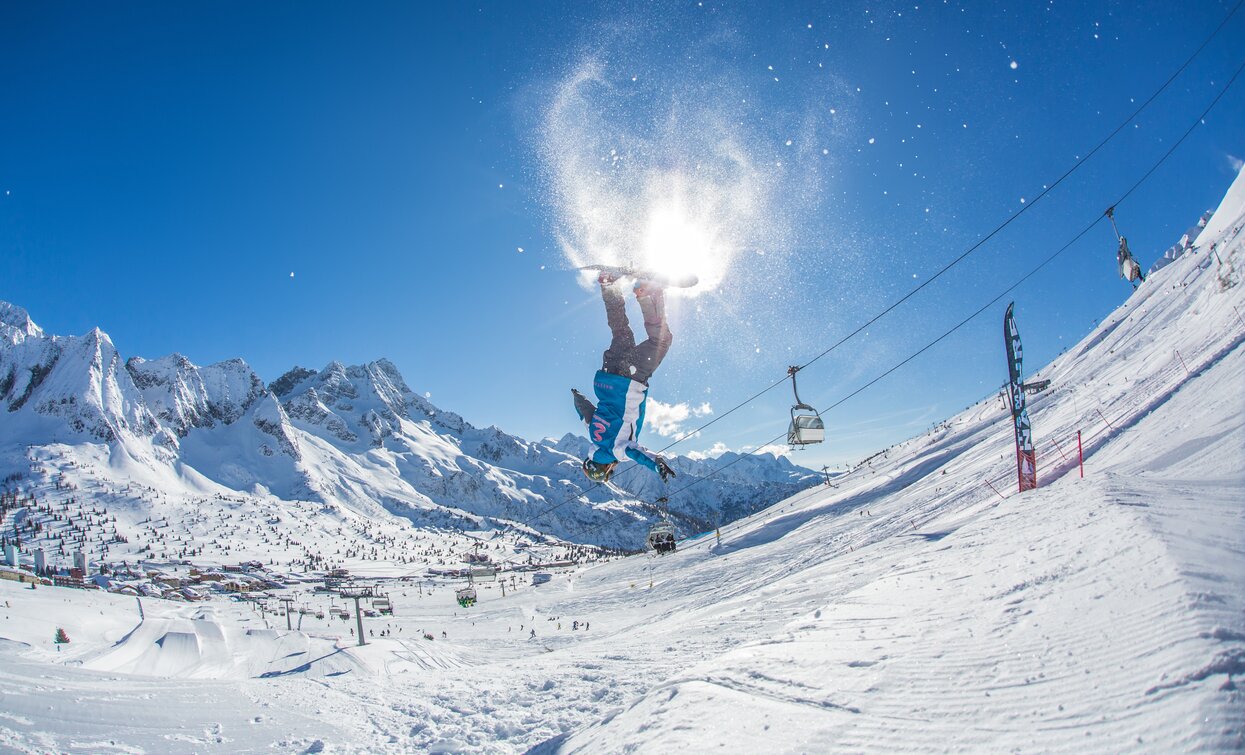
<point x="430" y="176"/>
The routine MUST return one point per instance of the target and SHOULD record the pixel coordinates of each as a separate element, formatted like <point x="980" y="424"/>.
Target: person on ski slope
<point x="621" y="385"/>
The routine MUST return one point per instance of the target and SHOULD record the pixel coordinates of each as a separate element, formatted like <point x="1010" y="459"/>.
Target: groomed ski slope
<point x="925" y="612"/>
<point x="920" y="605"/>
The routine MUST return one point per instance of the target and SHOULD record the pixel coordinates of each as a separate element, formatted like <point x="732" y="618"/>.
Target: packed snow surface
<point x="920" y="604"/>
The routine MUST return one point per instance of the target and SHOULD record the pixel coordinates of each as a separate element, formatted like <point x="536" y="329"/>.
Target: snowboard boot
<point x="645" y="289"/>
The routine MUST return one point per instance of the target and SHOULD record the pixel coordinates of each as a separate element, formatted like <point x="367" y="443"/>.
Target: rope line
<point x="977" y="245"/>
<point x="1051" y="258"/>
<point x="981" y="241"/>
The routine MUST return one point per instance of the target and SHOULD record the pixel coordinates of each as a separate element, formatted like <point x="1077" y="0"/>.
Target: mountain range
<point x="353" y="436"/>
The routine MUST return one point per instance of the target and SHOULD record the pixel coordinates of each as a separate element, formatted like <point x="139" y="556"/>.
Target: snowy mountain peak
<point x="355" y="436"/>
<point x="184" y="396"/>
<point x="16" y="325"/>
<point x="79" y="379"/>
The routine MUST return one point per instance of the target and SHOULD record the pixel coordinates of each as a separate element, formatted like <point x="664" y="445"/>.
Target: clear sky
<point x="300" y="182"/>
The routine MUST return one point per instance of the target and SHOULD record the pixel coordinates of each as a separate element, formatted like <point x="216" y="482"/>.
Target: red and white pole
<point x="1080" y="454"/>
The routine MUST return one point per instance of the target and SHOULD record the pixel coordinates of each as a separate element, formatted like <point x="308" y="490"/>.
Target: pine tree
<point x="61" y="637"/>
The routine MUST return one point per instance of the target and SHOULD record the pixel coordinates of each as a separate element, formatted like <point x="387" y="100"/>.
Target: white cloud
<point x="714" y="452"/>
<point x="720" y="448"/>
<point x="1236" y="163"/>
<point x="777" y="449"/>
<point x="667" y="419"/>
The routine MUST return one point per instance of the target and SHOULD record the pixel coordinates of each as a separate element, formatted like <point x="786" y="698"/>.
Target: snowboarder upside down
<point x="621" y="385"/>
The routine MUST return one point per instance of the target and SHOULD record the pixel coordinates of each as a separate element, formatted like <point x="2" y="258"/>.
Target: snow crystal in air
<point x="1014" y="65"/>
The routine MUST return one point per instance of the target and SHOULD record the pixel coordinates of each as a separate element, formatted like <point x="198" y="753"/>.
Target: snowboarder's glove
<point x="664" y="469"/>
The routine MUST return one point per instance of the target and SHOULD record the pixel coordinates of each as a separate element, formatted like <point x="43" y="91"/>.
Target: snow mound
<point x="204" y="648"/>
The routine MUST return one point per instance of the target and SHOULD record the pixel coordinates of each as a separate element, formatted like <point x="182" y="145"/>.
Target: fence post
<point x="1186" y="367"/>
<point x="1080" y="454"/>
<point x="1104" y="419"/>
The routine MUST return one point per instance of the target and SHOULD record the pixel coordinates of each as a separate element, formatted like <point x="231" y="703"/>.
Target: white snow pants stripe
<point x="631" y="414"/>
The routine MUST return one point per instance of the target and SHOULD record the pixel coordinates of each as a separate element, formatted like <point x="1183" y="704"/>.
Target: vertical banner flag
<point x="1026" y="457"/>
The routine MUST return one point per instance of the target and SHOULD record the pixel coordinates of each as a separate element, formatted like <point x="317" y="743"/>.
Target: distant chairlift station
<point x="806" y="425"/>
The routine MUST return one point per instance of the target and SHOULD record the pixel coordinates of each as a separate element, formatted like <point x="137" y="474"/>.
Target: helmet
<point x="598" y="472"/>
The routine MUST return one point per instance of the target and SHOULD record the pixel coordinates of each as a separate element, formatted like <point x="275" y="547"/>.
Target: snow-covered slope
<point x="920" y="605"/>
<point x="926" y="605"/>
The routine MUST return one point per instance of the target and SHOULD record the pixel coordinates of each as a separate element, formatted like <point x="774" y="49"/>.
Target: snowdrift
<point x="203" y="648"/>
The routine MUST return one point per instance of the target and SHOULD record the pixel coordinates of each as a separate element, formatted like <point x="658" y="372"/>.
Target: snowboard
<point x="668" y="281"/>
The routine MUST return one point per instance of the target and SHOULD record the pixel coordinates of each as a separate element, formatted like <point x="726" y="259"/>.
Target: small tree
<point x="61" y="637"/>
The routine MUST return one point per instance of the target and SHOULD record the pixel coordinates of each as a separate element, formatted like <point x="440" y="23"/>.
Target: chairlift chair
<point x="1130" y="269"/>
<point x="466" y="596"/>
<point x="805" y="428"/>
<point x="661" y="537"/>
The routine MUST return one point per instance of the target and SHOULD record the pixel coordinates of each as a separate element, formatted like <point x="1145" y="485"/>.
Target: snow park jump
<point x="211" y="555"/>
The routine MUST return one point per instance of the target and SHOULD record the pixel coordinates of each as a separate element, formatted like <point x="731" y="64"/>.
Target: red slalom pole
<point x="1080" y="453"/>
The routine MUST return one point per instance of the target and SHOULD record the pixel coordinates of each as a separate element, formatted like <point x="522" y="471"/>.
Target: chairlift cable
<point x="1076" y="165"/>
<point x="1081" y="234"/>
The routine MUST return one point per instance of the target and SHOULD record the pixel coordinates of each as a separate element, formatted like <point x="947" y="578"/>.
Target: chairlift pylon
<point x="806" y="428"/>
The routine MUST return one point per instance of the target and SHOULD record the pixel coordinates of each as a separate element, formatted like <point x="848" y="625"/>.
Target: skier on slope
<point x="621" y="385"/>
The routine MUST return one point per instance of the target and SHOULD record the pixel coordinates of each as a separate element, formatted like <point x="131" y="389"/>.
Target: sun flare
<point x="676" y="244"/>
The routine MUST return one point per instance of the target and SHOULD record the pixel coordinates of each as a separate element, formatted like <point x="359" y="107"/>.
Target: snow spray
<point x="673" y="166"/>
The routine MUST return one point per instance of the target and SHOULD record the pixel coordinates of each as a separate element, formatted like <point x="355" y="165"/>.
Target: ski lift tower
<point x="288" y="602"/>
<point x="356" y="594"/>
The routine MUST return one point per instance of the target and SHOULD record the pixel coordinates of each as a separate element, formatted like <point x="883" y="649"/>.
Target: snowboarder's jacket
<point x="619" y="416"/>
